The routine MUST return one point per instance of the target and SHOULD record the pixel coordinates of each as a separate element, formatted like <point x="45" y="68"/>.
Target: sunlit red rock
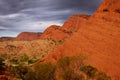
<point x="27" y="36"/>
<point x="55" y="32"/>
<point x="75" y="22"/>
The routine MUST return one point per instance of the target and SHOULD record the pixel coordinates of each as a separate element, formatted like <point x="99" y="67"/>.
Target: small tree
<point x="1" y="66"/>
<point x="102" y="76"/>
<point x="44" y="71"/>
<point x="89" y="71"/>
<point x="93" y="73"/>
<point x="67" y="67"/>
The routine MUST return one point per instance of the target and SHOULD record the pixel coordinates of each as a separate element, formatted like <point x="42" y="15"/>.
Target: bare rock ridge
<point x="6" y="39"/>
<point x="109" y="6"/>
<point x="62" y="32"/>
<point x="27" y="36"/>
<point x="75" y="20"/>
<point x="109" y="10"/>
<point x="98" y="38"/>
<point x="54" y="32"/>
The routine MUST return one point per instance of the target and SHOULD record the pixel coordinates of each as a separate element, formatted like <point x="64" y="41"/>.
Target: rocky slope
<point x="98" y="38"/>
<point x="27" y="36"/>
<point x="75" y="22"/>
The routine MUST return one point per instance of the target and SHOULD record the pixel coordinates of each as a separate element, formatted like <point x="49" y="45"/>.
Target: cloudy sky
<point x="36" y="15"/>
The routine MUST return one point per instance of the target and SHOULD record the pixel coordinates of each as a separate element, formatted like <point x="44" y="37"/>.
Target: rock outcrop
<point x="75" y="22"/>
<point x="55" y="32"/>
<point x="6" y="39"/>
<point x="27" y="36"/>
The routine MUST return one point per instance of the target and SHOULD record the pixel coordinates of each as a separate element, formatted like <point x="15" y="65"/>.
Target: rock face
<point x="27" y="36"/>
<point x="65" y="31"/>
<point x="6" y="39"/>
<point x="109" y="10"/>
<point x="55" y="32"/>
<point x="75" y="22"/>
<point x="109" y="6"/>
<point x="98" y="38"/>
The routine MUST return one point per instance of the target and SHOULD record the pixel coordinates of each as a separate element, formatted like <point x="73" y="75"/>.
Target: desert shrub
<point x="90" y="71"/>
<point x="64" y="62"/>
<point x="59" y="42"/>
<point x="67" y="74"/>
<point x="24" y="58"/>
<point x="1" y="66"/>
<point x="67" y="67"/>
<point x="30" y="75"/>
<point x="43" y="71"/>
<point x="32" y="61"/>
<point x="18" y="72"/>
<point x="93" y="73"/>
<point x="102" y="76"/>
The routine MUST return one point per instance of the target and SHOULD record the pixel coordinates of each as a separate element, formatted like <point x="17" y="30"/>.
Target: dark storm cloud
<point x="2" y="29"/>
<point x="36" y="15"/>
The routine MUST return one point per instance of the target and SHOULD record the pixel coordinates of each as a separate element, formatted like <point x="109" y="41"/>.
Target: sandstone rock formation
<point x="27" y="36"/>
<point x="55" y="32"/>
<point x="75" y="22"/>
<point x="98" y="38"/>
<point x="65" y="31"/>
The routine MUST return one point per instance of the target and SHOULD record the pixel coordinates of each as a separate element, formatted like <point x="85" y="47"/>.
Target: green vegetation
<point x="55" y="41"/>
<point x="45" y="71"/>
<point x="1" y="66"/>
<point x="92" y="73"/>
<point x="67" y="68"/>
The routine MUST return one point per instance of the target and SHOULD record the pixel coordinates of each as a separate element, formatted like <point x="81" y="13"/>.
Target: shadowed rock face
<point x="27" y="36"/>
<point x="98" y="38"/>
<point x="6" y="39"/>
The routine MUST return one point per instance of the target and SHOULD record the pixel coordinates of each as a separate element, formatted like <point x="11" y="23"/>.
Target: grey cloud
<point x="26" y="15"/>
